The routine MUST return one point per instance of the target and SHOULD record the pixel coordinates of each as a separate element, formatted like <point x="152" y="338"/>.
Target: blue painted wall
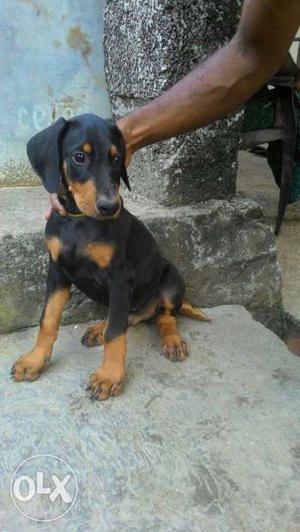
<point x="51" y="64"/>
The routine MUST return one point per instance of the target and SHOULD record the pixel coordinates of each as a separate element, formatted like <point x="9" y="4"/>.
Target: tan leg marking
<point x="110" y="378"/>
<point x="196" y="313"/>
<point x="113" y="151"/>
<point x="30" y="365"/>
<point x="54" y="246"/>
<point x="100" y="253"/>
<point x="172" y="344"/>
<point x="94" y="335"/>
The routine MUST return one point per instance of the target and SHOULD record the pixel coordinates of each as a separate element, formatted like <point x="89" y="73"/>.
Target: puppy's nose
<point x="107" y="207"/>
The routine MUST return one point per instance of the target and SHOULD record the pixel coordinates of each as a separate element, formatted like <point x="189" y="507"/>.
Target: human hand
<point x="123" y="125"/>
<point x="54" y="205"/>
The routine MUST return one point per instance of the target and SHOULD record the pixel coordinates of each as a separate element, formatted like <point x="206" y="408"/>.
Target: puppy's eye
<point x="79" y="157"/>
<point x="116" y="161"/>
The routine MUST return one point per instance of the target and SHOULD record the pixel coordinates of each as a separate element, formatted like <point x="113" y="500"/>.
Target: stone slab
<point x="224" y="250"/>
<point x="211" y="444"/>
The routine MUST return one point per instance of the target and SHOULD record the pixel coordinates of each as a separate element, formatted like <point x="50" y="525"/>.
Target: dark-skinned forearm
<point x="212" y="90"/>
<point x="224" y="81"/>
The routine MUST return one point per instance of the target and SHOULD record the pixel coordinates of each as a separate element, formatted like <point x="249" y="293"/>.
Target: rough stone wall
<point x="149" y="45"/>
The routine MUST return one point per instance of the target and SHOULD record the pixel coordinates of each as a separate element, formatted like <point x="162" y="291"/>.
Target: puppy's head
<point x="87" y="154"/>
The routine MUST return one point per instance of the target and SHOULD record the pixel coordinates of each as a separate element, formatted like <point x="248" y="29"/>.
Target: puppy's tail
<point x="188" y="310"/>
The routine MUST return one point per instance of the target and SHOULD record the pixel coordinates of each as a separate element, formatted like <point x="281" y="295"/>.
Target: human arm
<point x="54" y="204"/>
<point x="224" y="81"/>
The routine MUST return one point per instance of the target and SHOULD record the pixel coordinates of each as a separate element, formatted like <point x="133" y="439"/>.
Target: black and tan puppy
<point x="102" y="249"/>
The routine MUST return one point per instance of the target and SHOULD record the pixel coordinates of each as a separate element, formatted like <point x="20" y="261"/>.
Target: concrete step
<point x="211" y="443"/>
<point x="224" y="250"/>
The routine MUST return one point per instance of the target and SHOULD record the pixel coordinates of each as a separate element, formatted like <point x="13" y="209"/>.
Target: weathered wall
<point x="149" y="45"/>
<point x="51" y="64"/>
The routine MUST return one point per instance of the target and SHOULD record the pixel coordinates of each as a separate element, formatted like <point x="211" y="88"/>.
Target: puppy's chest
<point x="80" y="255"/>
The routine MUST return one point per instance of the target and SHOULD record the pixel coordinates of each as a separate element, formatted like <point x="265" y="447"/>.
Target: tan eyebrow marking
<point x="113" y="151"/>
<point x="87" y="148"/>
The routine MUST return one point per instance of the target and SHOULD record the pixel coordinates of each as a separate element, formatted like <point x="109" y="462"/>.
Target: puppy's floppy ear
<point x="125" y="177"/>
<point x="112" y="123"/>
<point x="124" y="174"/>
<point x="44" y="154"/>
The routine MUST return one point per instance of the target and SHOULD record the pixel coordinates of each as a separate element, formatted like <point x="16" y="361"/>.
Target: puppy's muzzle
<point x="107" y="207"/>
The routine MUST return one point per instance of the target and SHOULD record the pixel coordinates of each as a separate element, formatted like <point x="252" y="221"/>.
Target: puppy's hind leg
<point x="187" y="309"/>
<point x="94" y="335"/>
<point x="170" y="301"/>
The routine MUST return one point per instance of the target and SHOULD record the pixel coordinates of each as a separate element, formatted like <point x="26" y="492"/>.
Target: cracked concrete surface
<point x="211" y="444"/>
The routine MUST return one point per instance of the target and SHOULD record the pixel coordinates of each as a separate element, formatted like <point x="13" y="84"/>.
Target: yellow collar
<point x="78" y="215"/>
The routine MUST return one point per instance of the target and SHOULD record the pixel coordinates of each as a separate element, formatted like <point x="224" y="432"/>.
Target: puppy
<point x="102" y="249"/>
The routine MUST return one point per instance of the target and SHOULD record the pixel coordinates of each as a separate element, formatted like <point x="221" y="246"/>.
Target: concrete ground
<point x="210" y="444"/>
<point x="256" y="181"/>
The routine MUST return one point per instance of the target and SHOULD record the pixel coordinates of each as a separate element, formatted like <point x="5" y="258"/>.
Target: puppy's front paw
<point x="174" y="347"/>
<point x="29" y="366"/>
<point x="105" y="382"/>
